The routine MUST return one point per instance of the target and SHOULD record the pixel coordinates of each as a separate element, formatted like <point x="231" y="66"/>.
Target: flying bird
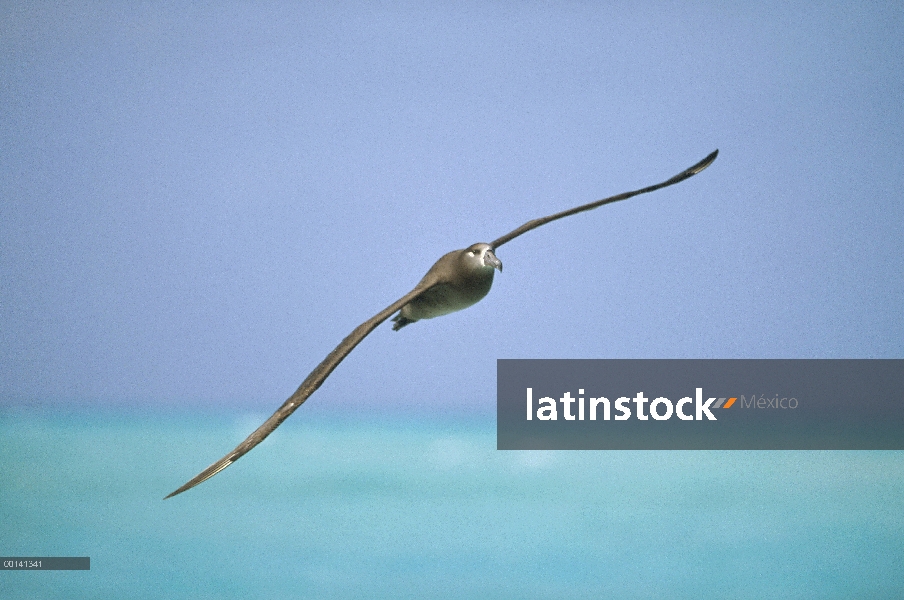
<point x="456" y="281"/>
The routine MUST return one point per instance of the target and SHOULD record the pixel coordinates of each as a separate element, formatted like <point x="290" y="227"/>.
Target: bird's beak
<point x="490" y="260"/>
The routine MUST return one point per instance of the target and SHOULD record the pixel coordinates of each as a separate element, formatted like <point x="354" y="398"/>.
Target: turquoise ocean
<point x="425" y="507"/>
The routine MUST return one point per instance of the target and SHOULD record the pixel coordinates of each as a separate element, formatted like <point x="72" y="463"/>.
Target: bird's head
<point x="481" y="256"/>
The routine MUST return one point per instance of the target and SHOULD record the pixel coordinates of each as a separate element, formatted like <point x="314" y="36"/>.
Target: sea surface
<point x="418" y="507"/>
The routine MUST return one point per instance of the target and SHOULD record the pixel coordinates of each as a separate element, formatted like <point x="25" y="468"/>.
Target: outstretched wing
<point x="573" y="211"/>
<point x="309" y="385"/>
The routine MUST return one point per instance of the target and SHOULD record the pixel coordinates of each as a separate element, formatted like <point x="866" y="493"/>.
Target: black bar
<point x="45" y="563"/>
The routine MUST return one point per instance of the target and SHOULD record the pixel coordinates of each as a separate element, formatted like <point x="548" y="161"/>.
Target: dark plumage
<point x="463" y="278"/>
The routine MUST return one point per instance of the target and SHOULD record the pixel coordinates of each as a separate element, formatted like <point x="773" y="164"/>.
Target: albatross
<point x="456" y="281"/>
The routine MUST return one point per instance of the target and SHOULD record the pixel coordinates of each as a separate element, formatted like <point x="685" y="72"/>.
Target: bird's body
<point x="456" y="281"/>
<point x="463" y="278"/>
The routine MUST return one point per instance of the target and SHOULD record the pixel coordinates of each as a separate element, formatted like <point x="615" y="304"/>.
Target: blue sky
<point x="198" y="201"/>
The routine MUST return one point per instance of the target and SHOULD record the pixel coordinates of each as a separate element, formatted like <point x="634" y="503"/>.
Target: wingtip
<point x="691" y="171"/>
<point x="177" y="492"/>
<point x="209" y="472"/>
<point x="704" y="163"/>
